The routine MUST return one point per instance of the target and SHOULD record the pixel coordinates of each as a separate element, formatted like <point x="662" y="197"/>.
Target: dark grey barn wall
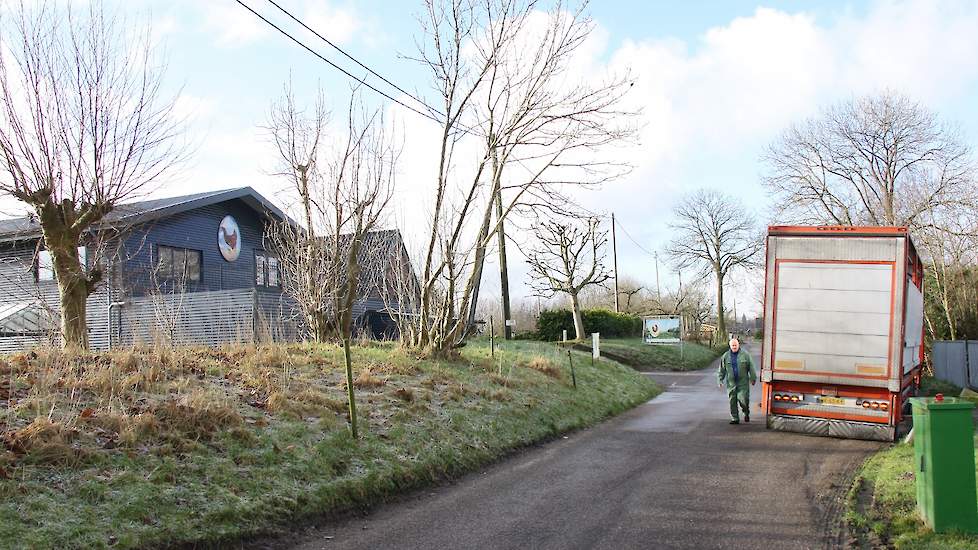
<point x="197" y="229"/>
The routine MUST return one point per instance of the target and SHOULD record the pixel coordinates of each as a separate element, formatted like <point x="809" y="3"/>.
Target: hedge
<point x="552" y="323"/>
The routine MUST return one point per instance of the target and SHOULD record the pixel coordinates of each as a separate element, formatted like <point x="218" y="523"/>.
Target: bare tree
<point x="84" y="126"/>
<point x="876" y="160"/>
<point x="566" y="260"/>
<point x="344" y="193"/>
<point x="297" y="135"/>
<point x="715" y="234"/>
<point x="951" y="259"/>
<point x="506" y="86"/>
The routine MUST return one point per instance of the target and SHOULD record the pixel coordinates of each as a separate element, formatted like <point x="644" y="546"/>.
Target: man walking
<point x="738" y="373"/>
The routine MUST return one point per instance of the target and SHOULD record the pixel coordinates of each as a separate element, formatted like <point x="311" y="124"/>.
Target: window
<point x="259" y="270"/>
<point x="266" y="270"/>
<point x="45" y="263"/>
<point x="273" y="271"/>
<point x="178" y="263"/>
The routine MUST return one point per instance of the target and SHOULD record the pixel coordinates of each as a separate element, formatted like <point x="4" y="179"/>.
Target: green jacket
<point x="745" y="364"/>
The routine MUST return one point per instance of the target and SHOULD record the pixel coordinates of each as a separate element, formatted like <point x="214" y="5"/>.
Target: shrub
<point x="552" y="322"/>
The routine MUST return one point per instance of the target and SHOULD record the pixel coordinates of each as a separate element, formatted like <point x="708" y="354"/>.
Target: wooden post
<point x="492" y="348"/>
<point x="570" y="360"/>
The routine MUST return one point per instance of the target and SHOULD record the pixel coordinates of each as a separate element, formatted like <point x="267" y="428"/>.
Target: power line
<point x="334" y="65"/>
<point x="629" y="235"/>
<point x="355" y="60"/>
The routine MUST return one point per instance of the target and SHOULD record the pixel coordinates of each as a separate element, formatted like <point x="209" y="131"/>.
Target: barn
<point x="191" y="270"/>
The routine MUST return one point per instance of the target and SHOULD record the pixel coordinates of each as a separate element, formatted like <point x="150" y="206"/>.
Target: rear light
<point x="884" y="406"/>
<point x="795" y="399"/>
<point x="874" y="405"/>
<point x="777" y="397"/>
<point x="866" y="404"/>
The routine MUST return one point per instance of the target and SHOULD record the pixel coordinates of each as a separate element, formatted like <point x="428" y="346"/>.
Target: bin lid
<point x="932" y="403"/>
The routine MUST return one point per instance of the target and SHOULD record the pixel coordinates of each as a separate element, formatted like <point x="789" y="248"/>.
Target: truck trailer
<point x="843" y="330"/>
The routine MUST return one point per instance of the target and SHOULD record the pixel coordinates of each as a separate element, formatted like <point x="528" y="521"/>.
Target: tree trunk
<point x="578" y="318"/>
<point x="346" y="324"/>
<point x="73" y="289"/>
<point x="721" y="321"/>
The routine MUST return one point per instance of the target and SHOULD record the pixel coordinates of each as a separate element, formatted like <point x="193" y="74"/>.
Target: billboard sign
<point x="665" y="329"/>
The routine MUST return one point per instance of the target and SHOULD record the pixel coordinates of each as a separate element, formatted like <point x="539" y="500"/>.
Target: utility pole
<point x="503" y="268"/>
<point x="614" y="255"/>
<point x="658" y="294"/>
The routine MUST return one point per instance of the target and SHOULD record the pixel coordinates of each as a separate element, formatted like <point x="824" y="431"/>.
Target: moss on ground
<point x="140" y="448"/>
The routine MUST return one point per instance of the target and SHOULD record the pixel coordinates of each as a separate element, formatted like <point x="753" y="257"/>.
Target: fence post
<point x="492" y="335"/>
<point x="570" y="360"/>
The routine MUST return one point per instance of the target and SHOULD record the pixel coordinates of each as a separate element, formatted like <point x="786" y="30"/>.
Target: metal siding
<point x="18" y="283"/>
<point x="196" y="318"/>
<point x="950" y="359"/>
<point x="851" y="326"/>
<point x="842" y="293"/>
<point x="197" y="230"/>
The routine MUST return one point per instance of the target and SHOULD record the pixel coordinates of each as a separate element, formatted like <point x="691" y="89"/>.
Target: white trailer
<point x="843" y="330"/>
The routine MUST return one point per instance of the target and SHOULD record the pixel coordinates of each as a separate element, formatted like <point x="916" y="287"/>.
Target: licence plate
<point x="838" y="401"/>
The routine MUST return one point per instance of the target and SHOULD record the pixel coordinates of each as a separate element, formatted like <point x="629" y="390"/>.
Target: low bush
<point x="552" y="323"/>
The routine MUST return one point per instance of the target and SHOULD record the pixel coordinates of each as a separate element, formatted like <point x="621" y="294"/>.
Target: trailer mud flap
<point x="831" y="428"/>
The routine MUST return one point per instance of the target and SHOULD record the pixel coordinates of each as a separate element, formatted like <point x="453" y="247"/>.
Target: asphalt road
<point x="669" y="474"/>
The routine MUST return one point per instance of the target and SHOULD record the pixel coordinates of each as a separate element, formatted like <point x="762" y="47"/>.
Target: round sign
<point x="229" y="239"/>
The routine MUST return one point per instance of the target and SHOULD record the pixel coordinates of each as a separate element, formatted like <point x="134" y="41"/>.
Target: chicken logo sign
<point x="229" y="239"/>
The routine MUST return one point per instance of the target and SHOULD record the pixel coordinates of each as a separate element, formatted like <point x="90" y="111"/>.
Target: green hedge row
<point x="552" y="323"/>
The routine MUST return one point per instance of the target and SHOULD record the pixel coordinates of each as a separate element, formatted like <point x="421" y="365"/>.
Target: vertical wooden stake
<point x="492" y="335"/>
<point x="571" y="361"/>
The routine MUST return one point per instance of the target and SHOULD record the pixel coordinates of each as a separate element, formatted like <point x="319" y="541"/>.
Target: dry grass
<point x="405" y="394"/>
<point x="368" y="380"/>
<point x="544" y="365"/>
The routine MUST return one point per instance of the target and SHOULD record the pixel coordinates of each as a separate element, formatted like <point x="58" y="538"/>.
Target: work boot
<point x="747" y="418"/>
<point x="735" y="421"/>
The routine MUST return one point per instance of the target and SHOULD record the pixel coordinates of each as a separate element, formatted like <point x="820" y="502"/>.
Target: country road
<point x="669" y="474"/>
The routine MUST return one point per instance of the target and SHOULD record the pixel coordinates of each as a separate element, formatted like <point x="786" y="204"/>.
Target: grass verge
<point x="883" y="506"/>
<point x="635" y="353"/>
<point x="160" y="447"/>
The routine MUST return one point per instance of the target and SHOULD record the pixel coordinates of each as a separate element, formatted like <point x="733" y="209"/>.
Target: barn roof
<point x="152" y="209"/>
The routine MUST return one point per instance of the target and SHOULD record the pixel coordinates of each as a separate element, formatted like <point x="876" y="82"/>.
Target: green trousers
<point x="739" y="393"/>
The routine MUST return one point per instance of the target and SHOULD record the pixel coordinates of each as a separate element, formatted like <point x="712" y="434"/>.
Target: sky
<point x="716" y="82"/>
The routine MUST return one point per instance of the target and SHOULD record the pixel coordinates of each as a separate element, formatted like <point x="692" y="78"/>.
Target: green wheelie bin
<point x="944" y="463"/>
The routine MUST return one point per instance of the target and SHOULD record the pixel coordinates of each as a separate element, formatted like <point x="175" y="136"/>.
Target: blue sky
<point x="717" y="81"/>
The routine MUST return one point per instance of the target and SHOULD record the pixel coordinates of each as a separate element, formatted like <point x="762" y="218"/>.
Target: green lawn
<point x="883" y="505"/>
<point x="163" y="447"/>
<point x="661" y="357"/>
<point x="883" y="500"/>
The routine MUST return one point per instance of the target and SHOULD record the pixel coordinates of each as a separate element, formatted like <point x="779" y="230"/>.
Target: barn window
<point x="45" y="263"/>
<point x="267" y="270"/>
<point x="178" y="263"/>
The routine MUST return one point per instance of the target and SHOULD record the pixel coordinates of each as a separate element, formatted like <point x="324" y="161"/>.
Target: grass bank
<point x="883" y="499"/>
<point x="159" y="447"/>
<point x="883" y="506"/>
<point x="644" y="357"/>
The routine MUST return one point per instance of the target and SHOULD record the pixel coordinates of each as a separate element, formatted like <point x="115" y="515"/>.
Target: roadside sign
<point x="662" y="329"/>
<point x="595" y="345"/>
<point x="510" y="322"/>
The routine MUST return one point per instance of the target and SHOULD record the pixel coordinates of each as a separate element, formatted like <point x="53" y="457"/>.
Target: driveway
<point x="668" y="474"/>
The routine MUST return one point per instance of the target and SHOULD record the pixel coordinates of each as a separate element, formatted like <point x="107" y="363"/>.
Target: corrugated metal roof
<point x="142" y="211"/>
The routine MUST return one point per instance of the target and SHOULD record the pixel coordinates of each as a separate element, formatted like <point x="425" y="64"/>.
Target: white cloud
<point x="234" y="26"/>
